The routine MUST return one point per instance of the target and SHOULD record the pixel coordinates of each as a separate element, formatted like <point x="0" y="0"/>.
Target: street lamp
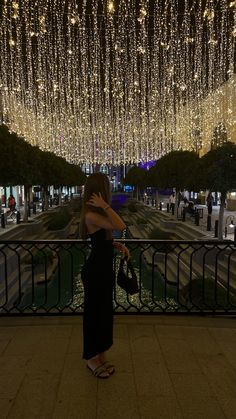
<point x="232" y="224"/>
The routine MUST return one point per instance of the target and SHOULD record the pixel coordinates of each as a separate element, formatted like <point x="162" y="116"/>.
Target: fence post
<point x="18" y="217"/>
<point x="3" y="221"/>
<point x="209" y="223"/>
<point x="216" y="227"/>
<point x="197" y="218"/>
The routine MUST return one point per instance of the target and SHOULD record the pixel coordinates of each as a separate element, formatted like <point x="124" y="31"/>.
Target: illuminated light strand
<point x="118" y="82"/>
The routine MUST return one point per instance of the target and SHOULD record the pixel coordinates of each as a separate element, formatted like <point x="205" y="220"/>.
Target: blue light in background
<point x="147" y="165"/>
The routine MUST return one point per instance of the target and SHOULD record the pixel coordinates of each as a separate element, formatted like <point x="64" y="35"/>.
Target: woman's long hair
<point x="95" y="183"/>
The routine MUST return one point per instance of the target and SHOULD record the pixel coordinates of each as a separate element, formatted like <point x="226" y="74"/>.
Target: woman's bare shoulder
<point x="93" y="218"/>
<point x="90" y="216"/>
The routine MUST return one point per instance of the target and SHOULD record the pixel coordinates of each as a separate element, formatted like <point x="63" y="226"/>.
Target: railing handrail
<point x="175" y="276"/>
<point x="141" y="240"/>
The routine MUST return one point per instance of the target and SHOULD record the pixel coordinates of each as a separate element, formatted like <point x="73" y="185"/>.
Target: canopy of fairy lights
<point x="117" y="81"/>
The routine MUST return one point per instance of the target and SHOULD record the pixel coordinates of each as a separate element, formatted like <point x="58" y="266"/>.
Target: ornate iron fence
<point x="43" y="277"/>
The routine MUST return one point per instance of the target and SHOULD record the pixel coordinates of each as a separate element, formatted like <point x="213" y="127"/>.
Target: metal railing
<point x="43" y="277"/>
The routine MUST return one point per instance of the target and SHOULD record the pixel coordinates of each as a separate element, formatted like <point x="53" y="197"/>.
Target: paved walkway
<point x="228" y="216"/>
<point x="166" y="368"/>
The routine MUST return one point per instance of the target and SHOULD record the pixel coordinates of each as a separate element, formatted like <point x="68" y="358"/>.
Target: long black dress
<point x="98" y="280"/>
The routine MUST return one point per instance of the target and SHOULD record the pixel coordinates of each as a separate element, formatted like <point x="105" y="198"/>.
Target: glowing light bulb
<point x="111" y="7"/>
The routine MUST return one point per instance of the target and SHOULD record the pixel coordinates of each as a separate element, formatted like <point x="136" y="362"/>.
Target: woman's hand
<point x="96" y="200"/>
<point x="122" y="248"/>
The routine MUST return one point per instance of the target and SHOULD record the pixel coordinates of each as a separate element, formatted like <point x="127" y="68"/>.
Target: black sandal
<point x="97" y="372"/>
<point x="109" y="367"/>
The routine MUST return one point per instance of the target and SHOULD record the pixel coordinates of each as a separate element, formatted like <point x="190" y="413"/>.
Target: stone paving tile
<point x="190" y="387"/>
<point x="163" y="407"/>
<point x="178" y="355"/>
<point x="36" y="396"/>
<point x="229" y="353"/>
<point x="143" y="339"/>
<point x="229" y="407"/>
<point x="165" y="369"/>
<point x="29" y="321"/>
<point x="121" y="331"/>
<point x="120" y="356"/>
<point x="70" y="320"/>
<point x="120" y="386"/>
<point x="149" y="319"/>
<point x="47" y="363"/>
<point x="221" y="379"/>
<point x="3" y="345"/>
<point x="173" y="331"/>
<point x="196" y="397"/>
<point x="12" y="363"/>
<point x="209" y="409"/>
<point x="76" y="380"/>
<point x="153" y="381"/>
<point x="76" y="340"/>
<point x="201" y="321"/>
<point x="81" y="408"/>
<point x="5" y="406"/>
<point x="119" y="408"/>
<point x="28" y="340"/>
<point x="10" y="383"/>
<point x="225" y="335"/>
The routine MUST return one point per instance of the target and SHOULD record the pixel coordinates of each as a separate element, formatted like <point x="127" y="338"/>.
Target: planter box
<point x="64" y="232"/>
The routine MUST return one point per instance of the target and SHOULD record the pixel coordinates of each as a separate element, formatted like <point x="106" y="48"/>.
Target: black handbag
<point x="126" y="277"/>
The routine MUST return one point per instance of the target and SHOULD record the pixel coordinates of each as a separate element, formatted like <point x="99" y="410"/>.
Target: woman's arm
<point x="111" y="222"/>
<point x="122" y="248"/>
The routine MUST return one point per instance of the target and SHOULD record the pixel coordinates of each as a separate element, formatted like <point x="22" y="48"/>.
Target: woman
<point x="97" y="221"/>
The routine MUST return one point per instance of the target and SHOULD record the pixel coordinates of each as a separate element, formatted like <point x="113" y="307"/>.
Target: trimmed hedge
<point x="159" y="234"/>
<point x="59" y="219"/>
<point x="132" y="208"/>
<point x="43" y="256"/>
<point x="142" y="221"/>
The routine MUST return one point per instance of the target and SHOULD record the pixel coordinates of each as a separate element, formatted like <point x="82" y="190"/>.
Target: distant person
<point x="209" y="202"/>
<point x="172" y="202"/>
<point x="185" y="202"/>
<point x="11" y="203"/>
<point x="190" y="208"/>
<point x="180" y="197"/>
<point x="98" y="220"/>
<point x="3" y="199"/>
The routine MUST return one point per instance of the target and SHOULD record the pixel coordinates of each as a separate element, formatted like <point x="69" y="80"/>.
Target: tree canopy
<point x="177" y="169"/>
<point x="218" y="168"/>
<point x="23" y="164"/>
<point x="136" y="176"/>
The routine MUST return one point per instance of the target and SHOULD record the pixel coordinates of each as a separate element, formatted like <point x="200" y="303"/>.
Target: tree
<point x="136" y="177"/>
<point x="17" y="165"/>
<point x="177" y="169"/>
<point x="23" y="164"/>
<point x="218" y="173"/>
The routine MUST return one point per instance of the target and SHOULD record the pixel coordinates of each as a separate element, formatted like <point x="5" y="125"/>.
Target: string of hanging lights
<point x="116" y="82"/>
